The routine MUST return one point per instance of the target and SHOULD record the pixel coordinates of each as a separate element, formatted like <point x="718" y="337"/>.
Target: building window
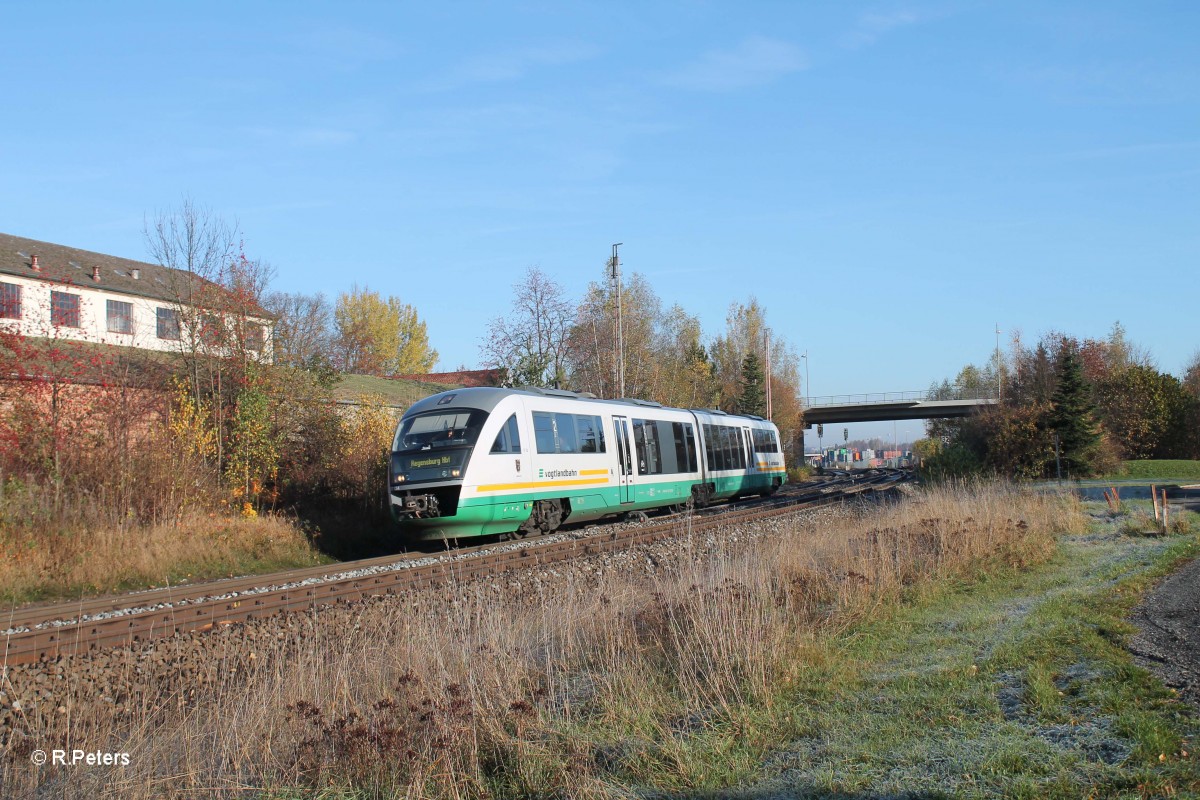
<point x="168" y="324"/>
<point x="64" y="309"/>
<point x="255" y="337"/>
<point x="120" y="317"/>
<point x="211" y="329"/>
<point x="10" y="301"/>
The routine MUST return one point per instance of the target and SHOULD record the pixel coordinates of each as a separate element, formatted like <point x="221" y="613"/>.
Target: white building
<point x="48" y="290"/>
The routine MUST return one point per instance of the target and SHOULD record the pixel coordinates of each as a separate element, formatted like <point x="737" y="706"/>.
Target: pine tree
<point x="1073" y="416"/>
<point x="753" y="399"/>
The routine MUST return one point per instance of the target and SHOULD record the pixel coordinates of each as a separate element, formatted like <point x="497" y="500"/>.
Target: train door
<point x="624" y="458"/>
<point x="751" y="466"/>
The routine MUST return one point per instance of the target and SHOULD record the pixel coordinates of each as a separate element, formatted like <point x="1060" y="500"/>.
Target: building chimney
<point x="136" y="273"/>
<point x="96" y="274"/>
<point x="33" y="263"/>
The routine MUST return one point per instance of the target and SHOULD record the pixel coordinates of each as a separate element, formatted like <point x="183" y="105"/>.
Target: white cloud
<point x="511" y="65"/>
<point x="872" y="25"/>
<point x="754" y="61"/>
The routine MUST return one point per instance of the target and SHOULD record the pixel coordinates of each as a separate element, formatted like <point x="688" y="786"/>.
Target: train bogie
<point x="483" y="461"/>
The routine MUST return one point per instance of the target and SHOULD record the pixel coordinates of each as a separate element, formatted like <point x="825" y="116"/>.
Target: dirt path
<point x="1169" y="641"/>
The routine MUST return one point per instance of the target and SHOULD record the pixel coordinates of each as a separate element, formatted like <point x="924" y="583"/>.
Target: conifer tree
<point x="1073" y="416"/>
<point x="753" y="399"/>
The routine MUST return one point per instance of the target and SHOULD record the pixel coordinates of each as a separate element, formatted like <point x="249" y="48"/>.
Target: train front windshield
<point x="435" y="446"/>
<point x="437" y="430"/>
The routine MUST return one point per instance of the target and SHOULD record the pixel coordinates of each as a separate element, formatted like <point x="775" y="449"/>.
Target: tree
<point x="1190" y="439"/>
<point x="531" y="343"/>
<point x="380" y="337"/>
<point x="217" y="293"/>
<point x="745" y="331"/>
<point x="753" y="399"/>
<point x="1072" y="416"/>
<point x="304" y="335"/>
<point x="1143" y="409"/>
<point x="592" y="341"/>
<point x="687" y="370"/>
<point x="198" y="246"/>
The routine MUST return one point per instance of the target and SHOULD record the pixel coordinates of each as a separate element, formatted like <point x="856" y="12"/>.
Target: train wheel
<point x="546" y="516"/>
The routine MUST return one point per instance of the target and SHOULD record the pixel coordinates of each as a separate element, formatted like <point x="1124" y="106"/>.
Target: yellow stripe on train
<point x="504" y="487"/>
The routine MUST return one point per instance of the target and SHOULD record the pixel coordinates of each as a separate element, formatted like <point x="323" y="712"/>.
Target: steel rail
<point x="45" y="632"/>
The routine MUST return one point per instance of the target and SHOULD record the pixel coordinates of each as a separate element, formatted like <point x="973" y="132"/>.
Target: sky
<point x="892" y="181"/>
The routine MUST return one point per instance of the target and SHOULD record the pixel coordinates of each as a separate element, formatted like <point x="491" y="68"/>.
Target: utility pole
<point x="999" y="390"/>
<point x="768" y="337"/>
<point x="619" y="356"/>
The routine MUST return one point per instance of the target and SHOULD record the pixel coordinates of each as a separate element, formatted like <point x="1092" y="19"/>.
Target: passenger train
<point x="471" y="462"/>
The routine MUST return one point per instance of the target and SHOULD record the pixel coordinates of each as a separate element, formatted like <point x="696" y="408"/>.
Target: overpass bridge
<point x="887" y="406"/>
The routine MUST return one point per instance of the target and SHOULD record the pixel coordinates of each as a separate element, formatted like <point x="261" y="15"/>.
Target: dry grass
<point x="475" y="693"/>
<point x="37" y="564"/>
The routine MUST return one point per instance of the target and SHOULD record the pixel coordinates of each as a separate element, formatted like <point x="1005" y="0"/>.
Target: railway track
<point x="40" y="633"/>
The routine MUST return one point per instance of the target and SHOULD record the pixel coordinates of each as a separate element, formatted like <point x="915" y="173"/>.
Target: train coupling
<point x="422" y="505"/>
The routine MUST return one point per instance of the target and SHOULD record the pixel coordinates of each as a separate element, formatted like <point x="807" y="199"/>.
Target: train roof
<point x="486" y="398"/>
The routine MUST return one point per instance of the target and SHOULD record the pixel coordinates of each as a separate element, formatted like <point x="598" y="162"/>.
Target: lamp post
<point x="807" y="387"/>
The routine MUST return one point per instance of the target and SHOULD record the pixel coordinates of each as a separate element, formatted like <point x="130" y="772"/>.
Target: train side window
<point x="689" y="442"/>
<point x="717" y="443"/>
<point x="654" y="462"/>
<point x="564" y="432"/>
<point x="509" y="438"/>
<point x="589" y="433"/>
<point x="733" y="449"/>
<point x="639" y="444"/>
<point x="765" y="441"/>
<point x="668" y="455"/>
<point x="543" y="432"/>
<point x="681" y="451"/>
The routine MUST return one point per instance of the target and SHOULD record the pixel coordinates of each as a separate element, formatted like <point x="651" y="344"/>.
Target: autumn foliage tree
<point x="1103" y="398"/>
<point x="380" y="337"/>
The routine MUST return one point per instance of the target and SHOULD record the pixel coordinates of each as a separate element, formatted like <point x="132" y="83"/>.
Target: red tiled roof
<point x="467" y="377"/>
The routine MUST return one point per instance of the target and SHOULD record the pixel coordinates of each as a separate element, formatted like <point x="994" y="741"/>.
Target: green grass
<point x="394" y="391"/>
<point x="1178" y="469"/>
<point x="1014" y="685"/>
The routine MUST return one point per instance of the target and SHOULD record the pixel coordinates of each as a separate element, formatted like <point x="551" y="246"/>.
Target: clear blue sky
<point x="890" y="179"/>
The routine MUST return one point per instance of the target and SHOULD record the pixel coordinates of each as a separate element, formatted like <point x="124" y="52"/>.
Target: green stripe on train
<point x="481" y="516"/>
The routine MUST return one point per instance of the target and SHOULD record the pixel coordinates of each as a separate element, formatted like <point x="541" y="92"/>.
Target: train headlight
<point x="398" y="479"/>
<point x="456" y="473"/>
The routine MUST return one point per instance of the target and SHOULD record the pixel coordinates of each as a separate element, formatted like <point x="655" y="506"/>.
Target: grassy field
<point x="1158" y="470"/>
<point x="964" y="643"/>
<point x="394" y="391"/>
<point x="681" y="680"/>
<point x="109" y="559"/>
<point x="1016" y="685"/>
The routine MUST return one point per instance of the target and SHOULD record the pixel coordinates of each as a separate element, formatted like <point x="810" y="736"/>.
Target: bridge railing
<point x="898" y="397"/>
